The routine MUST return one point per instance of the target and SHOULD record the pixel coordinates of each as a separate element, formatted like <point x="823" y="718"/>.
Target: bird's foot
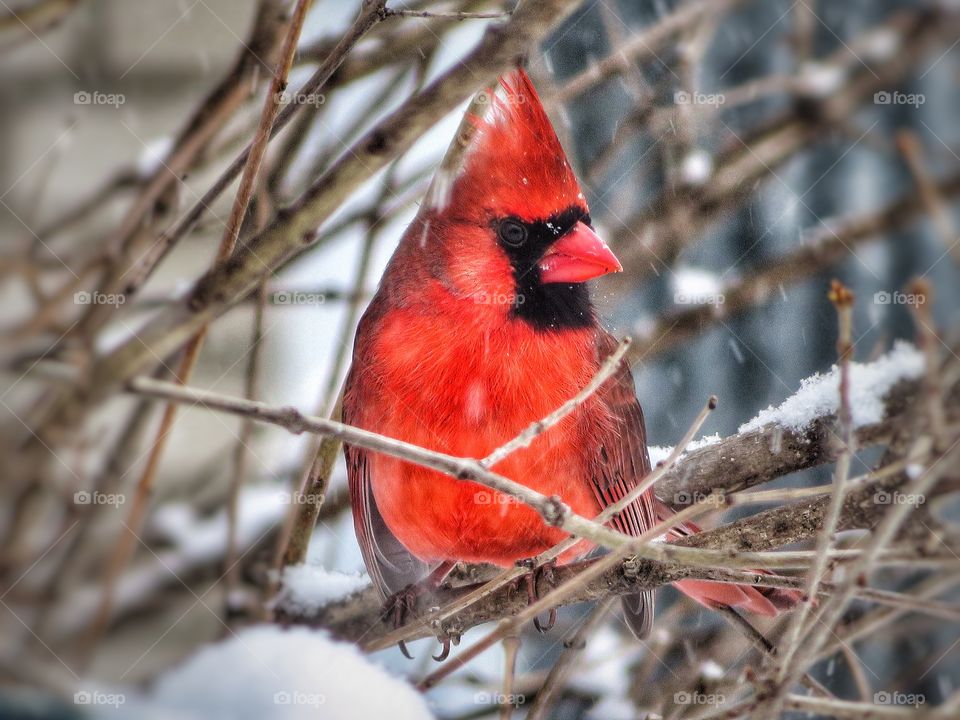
<point x="397" y="606"/>
<point x="402" y="603"/>
<point x="529" y="580"/>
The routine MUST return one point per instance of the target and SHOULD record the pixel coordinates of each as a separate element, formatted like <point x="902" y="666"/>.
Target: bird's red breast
<point x="452" y="375"/>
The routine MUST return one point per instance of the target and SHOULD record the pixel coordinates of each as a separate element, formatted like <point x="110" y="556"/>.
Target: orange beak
<point x="577" y="256"/>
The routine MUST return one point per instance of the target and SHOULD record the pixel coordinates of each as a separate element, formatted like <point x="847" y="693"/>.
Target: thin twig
<point x="760" y="642"/>
<point x="936" y="206"/>
<point x="610" y="365"/>
<point x="832" y="609"/>
<point x="921" y="292"/>
<point x="511" y="649"/>
<point x="832" y="707"/>
<point x="552" y="510"/>
<point x="842" y="299"/>
<point x="391" y="12"/>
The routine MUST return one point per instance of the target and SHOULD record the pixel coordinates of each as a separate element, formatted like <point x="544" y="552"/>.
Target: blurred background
<point x="737" y="155"/>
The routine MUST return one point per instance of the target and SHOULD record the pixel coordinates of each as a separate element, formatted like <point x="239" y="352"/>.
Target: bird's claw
<point x="444" y="649"/>
<point x="551" y="621"/>
<point x="400" y="604"/>
<point x="397" y="606"/>
<point x="530" y="580"/>
<point x="445" y="642"/>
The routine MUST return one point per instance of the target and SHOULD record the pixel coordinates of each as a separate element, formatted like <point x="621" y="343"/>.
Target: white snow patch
<point x="693" y="280"/>
<point x="269" y="672"/>
<point x="662" y="452"/>
<point x="821" y="79"/>
<point x="881" y="44"/>
<point x="703" y="442"/>
<point x="696" y="286"/>
<point x="819" y="395"/>
<point x="696" y="167"/>
<point x="710" y="670"/>
<point x="658" y="453"/>
<point x="306" y="588"/>
<point x="153" y="155"/>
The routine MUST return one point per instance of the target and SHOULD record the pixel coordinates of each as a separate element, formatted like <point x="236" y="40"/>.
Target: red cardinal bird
<point x="481" y="325"/>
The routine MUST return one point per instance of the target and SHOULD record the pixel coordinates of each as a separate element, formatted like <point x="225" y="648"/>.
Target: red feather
<point x="515" y="163"/>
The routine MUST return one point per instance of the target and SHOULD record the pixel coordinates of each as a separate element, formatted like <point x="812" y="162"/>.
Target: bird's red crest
<point x="515" y="164"/>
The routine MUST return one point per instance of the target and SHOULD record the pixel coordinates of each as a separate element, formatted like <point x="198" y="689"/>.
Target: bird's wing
<point x="620" y="462"/>
<point x="390" y="565"/>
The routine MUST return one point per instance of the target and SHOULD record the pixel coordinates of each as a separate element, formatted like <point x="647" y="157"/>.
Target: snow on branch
<point x="818" y="395"/>
<point x="801" y="432"/>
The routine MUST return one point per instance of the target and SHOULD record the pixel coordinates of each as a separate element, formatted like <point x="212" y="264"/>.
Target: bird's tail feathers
<point x="760" y="600"/>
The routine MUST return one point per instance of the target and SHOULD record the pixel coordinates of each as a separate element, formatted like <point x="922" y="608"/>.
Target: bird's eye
<point x="513" y="233"/>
